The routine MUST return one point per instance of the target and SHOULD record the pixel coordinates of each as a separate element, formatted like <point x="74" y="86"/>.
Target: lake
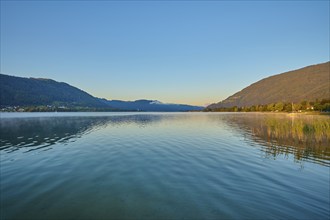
<point x="164" y="166"/>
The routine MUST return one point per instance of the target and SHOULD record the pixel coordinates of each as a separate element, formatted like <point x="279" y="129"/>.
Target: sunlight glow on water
<point x="164" y="166"/>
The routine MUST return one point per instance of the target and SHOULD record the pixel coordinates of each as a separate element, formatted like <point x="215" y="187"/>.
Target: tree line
<point x="49" y="108"/>
<point x="317" y="105"/>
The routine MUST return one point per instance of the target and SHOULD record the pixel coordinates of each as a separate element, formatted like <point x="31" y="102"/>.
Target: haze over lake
<point x="164" y="166"/>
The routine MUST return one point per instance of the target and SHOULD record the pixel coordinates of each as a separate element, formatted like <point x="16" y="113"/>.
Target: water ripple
<point x="159" y="166"/>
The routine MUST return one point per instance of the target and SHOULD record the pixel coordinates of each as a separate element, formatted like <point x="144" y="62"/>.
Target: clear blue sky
<point x="193" y="52"/>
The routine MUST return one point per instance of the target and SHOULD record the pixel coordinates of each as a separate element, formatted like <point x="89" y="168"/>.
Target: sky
<point x="190" y="52"/>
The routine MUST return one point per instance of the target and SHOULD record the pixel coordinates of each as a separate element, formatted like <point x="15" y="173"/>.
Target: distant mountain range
<point x="18" y="91"/>
<point x="309" y="83"/>
<point x="150" y="105"/>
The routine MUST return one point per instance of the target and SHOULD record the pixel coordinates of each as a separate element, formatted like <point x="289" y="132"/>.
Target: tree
<point x="297" y="107"/>
<point x="279" y="106"/>
<point x="271" y="107"/>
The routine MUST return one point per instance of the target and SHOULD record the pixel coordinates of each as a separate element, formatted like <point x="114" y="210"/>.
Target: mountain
<point x="35" y="91"/>
<point x="18" y="91"/>
<point x="150" y="105"/>
<point x="309" y="83"/>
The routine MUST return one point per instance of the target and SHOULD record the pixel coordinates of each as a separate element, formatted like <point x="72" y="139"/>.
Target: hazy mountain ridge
<point x="19" y="91"/>
<point x="150" y="105"/>
<point x="308" y="83"/>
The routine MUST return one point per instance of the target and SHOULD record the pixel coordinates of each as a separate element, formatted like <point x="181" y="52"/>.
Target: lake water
<point x="164" y="166"/>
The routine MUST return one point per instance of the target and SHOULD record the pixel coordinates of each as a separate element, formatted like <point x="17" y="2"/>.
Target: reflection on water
<point x="307" y="137"/>
<point x="42" y="132"/>
<point x="164" y="166"/>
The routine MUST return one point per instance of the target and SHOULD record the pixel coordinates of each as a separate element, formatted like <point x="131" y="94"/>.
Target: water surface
<point x="164" y="166"/>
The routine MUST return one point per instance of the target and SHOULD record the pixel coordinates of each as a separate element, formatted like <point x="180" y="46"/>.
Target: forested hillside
<point x="32" y="92"/>
<point x="307" y="84"/>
